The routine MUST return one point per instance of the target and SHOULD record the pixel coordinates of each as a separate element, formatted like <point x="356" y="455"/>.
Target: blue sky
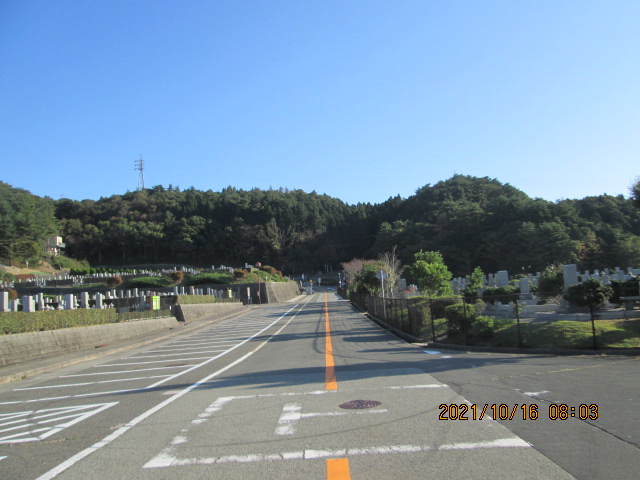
<point x="361" y="100"/>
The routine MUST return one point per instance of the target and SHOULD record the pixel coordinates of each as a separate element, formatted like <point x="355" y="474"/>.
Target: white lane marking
<point x="430" y="385"/>
<point x="121" y="371"/>
<point x="204" y="342"/>
<point x="169" y="461"/>
<point x="535" y="394"/>
<point x="122" y="430"/>
<point x="292" y="414"/>
<point x="172" y="355"/>
<point x="188" y="350"/>
<point x="432" y="352"/>
<point x="446" y="356"/>
<point x="3" y="457"/>
<point x="23" y="424"/>
<point x="166" y="378"/>
<point x="106" y="365"/>
<point x="69" y="385"/>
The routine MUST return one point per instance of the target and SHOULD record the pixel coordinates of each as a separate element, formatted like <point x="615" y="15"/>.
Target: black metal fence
<point x="506" y="321"/>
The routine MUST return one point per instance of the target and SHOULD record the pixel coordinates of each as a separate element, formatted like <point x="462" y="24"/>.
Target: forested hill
<point x="471" y="221"/>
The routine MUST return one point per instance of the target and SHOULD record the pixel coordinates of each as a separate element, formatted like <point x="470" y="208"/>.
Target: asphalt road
<point x="316" y="390"/>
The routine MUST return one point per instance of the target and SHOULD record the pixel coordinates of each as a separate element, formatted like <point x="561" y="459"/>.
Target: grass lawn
<point x="560" y="334"/>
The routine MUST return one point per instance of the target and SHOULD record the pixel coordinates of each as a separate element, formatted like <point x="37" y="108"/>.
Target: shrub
<point x="8" y="277"/>
<point x="269" y="269"/>
<point x="240" y="274"/>
<point x="114" y="281"/>
<point x="177" y="276"/>
<point x="21" y="322"/>
<point x="551" y="282"/>
<point x="590" y="294"/>
<point x="148" y="282"/>
<point x="213" y="278"/>
<point x="24" y="277"/>
<point x="438" y="305"/>
<point x="13" y="294"/>
<point x="459" y="316"/>
<point x="623" y="289"/>
<point x="499" y="294"/>
<point x="483" y="326"/>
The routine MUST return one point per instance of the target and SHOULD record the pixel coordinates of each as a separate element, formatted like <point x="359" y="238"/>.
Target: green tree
<point x="590" y="293"/>
<point x="551" y="282"/>
<point x="431" y="274"/>
<point x="366" y="280"/>
<point x="474" y="282"/>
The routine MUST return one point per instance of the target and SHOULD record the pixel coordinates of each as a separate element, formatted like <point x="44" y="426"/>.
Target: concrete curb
<point x="29" y="369"/>
<point x="534" y="351"/>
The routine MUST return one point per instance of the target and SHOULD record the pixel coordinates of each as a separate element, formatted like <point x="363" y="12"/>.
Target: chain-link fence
<point x="508" y="321"/>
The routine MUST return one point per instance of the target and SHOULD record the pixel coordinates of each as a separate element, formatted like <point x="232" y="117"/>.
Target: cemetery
<point x="514" y="311"/>
<point x="533" y="306"/>
<point x="190" y="286"/>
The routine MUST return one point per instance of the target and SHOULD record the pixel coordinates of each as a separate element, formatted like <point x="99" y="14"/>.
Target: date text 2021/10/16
<point x="525" y="411"/>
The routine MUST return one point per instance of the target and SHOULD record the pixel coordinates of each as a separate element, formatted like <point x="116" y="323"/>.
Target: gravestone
<point x="524" y="286"/>
<point x="69" y="302"/>
<point x="28" y="304"/>
<point x="84" y="300"/>
<point x="502" y="278"/>
<point x="98" y="301"/>
<point x="41" y="304"/>
<point x="4" y="301"/>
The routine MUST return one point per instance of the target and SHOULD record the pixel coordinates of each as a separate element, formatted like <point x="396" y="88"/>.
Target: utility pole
<point x="140" y="167"/>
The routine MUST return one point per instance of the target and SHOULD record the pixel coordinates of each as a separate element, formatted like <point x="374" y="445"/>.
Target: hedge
<point x="198" y="299"/>
<point x="23" y="322"/>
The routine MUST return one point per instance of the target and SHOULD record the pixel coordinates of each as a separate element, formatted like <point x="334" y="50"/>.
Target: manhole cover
<point x="359" y="404"/>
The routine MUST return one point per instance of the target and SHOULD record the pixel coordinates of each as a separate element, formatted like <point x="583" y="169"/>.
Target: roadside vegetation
<point x="23" y="322"/>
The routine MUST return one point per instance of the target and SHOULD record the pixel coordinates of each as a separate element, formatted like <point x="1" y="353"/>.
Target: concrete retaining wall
<point x="193" y="313"/>
<point x="22" y="347"/>
<point x="277" y="292"/>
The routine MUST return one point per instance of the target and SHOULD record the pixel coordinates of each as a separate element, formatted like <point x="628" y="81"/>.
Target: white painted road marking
<point x="33" y="426"/>
<point x="535" y="394"/>
<point x="292" y="414"/>
<point x="164" y="460"/>
<point x="69" y="385"/>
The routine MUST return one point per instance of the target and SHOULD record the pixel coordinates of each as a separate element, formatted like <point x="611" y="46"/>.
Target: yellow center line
<point x="338" y="469"/>
<point x="330" y="369"/>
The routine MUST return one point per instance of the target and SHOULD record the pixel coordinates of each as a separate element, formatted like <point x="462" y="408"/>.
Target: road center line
<point x="330" y="369"/>
<point x="338" y="469"/>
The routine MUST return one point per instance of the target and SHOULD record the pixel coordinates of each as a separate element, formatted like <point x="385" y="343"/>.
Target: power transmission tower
<point x="140" y="168"/>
